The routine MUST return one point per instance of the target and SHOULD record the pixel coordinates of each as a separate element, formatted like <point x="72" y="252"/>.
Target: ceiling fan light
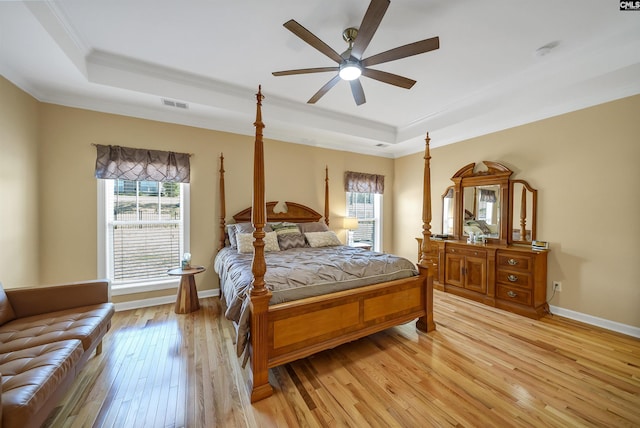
<point x="350" y="70"/>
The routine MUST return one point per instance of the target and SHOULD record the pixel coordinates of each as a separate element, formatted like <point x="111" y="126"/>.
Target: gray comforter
<point x="298" y="273"/>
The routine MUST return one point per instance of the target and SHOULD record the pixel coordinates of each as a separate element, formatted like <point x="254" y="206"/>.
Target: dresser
<point x="508" y="277"/>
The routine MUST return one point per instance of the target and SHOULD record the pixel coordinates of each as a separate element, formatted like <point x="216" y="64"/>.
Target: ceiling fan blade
<point x="369" y="25"/>
<point x="403" y="51"/>
<point x="330" y="84"/>
<point x="390" y="78"/>
<point x="305" y="71"/>
<point x="357" y="91"/>
<point x="312" y="40"/>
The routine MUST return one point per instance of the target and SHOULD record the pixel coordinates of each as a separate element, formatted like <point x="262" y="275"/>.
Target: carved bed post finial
<point x="258" y="213"/>
<point x="223" y="213"/>
<point x="259" y="294"/>
<point x="426" y="208"/>
<point x="426" y="264"/>
<point x="326" y="195"/>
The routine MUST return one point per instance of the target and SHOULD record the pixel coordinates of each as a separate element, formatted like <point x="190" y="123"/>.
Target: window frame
<point x="104" y="260"/>
<point x="377" y="219"/>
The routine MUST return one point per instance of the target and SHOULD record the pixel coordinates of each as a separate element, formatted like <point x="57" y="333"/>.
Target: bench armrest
<point x="30" y="301"/>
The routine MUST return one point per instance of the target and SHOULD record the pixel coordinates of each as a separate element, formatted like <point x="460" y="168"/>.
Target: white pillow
<point x="322" y="239"/>
<point x="245" y="242"/>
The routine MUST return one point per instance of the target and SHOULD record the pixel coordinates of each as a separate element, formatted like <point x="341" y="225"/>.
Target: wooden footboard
<point x="301" y="328"/>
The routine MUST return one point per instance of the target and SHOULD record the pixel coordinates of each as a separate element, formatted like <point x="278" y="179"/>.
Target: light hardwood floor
<point x="482" y="367"/>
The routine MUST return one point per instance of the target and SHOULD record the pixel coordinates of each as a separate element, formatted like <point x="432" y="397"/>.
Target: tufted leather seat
<point x="32" y="376"/>
<point x="86" y="323"/>
<point x="47" y="334"/>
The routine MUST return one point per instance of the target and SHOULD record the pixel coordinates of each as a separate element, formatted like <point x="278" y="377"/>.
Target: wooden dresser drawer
<point x="514" y="261"/>
<point x="467" y="251"/>
<point x="509" y="278"/>
<point x="513" y="294"/>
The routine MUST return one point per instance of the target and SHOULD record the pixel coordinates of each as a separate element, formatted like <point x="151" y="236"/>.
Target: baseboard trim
<point x="155" y="301"/>
<point x="629" y="330"/>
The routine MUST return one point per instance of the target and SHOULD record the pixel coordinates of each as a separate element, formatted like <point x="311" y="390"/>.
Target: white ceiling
<point x="124" y="56"/>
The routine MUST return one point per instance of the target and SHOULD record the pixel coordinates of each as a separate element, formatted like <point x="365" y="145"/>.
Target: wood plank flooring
<point x="481" y="368"/>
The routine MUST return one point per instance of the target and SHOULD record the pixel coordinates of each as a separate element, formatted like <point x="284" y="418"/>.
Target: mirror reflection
<point x="448" y="217"/>
<point x="481" y="206"/>
<point x="523" y="212"/>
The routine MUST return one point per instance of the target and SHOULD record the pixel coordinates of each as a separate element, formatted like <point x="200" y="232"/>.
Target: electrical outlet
<point x="557" y="286"/>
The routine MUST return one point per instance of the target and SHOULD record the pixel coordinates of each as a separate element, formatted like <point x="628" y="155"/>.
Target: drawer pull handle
<point x="475" y="253"/>
<point x="512" y="262"/>
<point x="512" y="294"/>
<point x="512" y="278"/>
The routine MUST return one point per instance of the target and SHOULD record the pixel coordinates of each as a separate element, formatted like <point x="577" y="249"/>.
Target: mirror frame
<point x="494" y="174"/>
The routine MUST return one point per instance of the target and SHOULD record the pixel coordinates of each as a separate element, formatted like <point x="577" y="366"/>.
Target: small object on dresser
<point x="539" y="245"/>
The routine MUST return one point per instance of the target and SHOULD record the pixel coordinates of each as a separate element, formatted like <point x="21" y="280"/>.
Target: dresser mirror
<point x="484" y="201"/>
<point x="448" y="211"/>
<point x="481" y="206"/>
<point x="524" y="200"/>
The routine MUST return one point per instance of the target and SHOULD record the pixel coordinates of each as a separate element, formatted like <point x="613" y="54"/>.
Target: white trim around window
<point x="103" y="233"/>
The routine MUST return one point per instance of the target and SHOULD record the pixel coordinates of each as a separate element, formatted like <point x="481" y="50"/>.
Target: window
<point x="367" y="208"/>
<point x="144" y="232"/>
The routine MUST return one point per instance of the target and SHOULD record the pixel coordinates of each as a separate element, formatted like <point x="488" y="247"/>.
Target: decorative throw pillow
<point x="285" y="228"/>
<point x="316" y="226"/>
<point x="322" y="239"/>
<point x="291" y="240"/>
<point x="245" y="242"/>
<point x="6" y="310"/>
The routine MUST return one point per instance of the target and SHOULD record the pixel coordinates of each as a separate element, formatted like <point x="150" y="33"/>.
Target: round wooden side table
<point x="187" y="300"/>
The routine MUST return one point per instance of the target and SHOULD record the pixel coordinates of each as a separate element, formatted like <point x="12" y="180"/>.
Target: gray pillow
<point x="231" y="233"/>
<point x="248" y="228"/>
<point x="318" y="226"/>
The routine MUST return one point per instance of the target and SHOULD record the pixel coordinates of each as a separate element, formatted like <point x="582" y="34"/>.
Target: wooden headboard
<point x="296" y="213"/>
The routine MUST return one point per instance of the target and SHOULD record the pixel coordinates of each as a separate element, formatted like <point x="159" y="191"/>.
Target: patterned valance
<point x="141" y="164"/>
<point x="487" y="195"/>
<point x="361" y="182"/>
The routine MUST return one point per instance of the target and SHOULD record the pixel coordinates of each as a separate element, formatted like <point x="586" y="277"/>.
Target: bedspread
<point x="298" y="273"/>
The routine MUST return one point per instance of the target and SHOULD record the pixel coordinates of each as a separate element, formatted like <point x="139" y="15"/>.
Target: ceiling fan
<point x="350" y="62"/>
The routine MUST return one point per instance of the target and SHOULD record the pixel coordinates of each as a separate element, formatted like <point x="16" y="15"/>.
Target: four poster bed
<point x="275" y="328"/>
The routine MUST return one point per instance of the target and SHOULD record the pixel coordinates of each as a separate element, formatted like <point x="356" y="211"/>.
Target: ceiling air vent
<point x="176" y="104"/>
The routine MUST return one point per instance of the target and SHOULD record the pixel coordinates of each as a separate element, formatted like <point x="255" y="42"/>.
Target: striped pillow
<point x="285" y="228"/>
<point x="291" y="240"/>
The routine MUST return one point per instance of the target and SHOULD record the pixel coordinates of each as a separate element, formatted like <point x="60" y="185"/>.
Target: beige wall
<point x="49" y="193"/>
<point x="68" y="190"/>
<point x="18" y="187"/>
<point x="585" y="167"/>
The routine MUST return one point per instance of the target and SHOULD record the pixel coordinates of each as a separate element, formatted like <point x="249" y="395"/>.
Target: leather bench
<point x="47" y="334"/>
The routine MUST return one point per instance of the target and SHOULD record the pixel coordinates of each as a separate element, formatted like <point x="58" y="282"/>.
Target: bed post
<point x="326" y="195"/>
<point x="223" y="213"/>
<point x="426" y="263"/>
<point x="260" y="295"/>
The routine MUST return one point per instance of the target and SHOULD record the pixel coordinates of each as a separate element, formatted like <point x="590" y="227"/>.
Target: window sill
<point x="143" y="287"/>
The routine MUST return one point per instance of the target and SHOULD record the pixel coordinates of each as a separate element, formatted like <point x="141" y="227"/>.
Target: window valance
<point x="125" y="163"/>
<point x="361" y="182"/>
<point x="487" y="195"/>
